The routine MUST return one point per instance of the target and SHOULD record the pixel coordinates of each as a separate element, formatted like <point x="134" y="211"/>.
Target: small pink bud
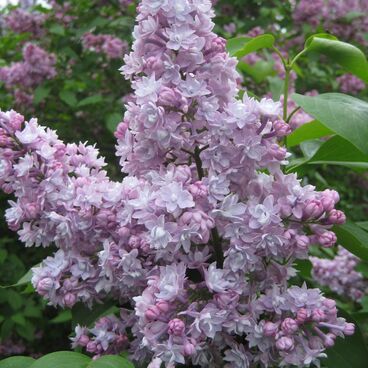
<point x="289" y="326"/>
<point x="327" y="239"/>
<point x="189" y="349"/>
<point x="349" y="329"/>
<point x="152" y="313"/>
<point x="91" y="347"/>
<point x="281" y="128"/>
<point x="44" y="285"/>
<point x="285" y="343"/>
<point x="301" y="315"/>
<point x="318" y="315"/>
<point x="336" y="217"/>
<point x="70" y="299"/>
<point x="163" y="306"/>
<point x="176" y="327"/>
<point x="270" y="329"/>
<point x="313" y="209"/>
<point x="331" y="194"/>
<point x="302" y="242"/>
<point x="83" y="340"/>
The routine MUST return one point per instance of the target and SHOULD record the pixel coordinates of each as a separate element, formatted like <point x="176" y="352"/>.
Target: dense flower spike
<point x="333" y="16"/>
<point x="22" y="78"/>
<point x="112" y="47"/>
<point x="22" y="21"/>
<point x="340" y="275"/>
<point x="199" y="239"/>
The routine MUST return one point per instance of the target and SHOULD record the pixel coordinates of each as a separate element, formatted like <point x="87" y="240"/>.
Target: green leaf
<point x="345" y="115"/>
<point x="16" y="362"/>
<point x="14" y="299"/>
<point x="363" y="225"/>
<point x="312" y="130"/>
<point x="353" y="238"/>
<point x="27" y="331"/>
<point x="19" y="319"/>
<point x="25" y="279"/>
<point x="90" y="100"/>
<point x="276" y="87"/>
<point x="241" y="46"/>
<point x="86" y="317"/>
<point x="41" y="92"/>
<point x="68" y="97"/>
<point x="259" y="71"/>
<point x="110" y="361"/>
<point x="310" y="148"/>
<point x="339" y="151"/>
<point x="57" y="29"/>
<point x="62" y="359"/>
<point x="62" y="317"/>
<point x="348" y="56"/>
<point x="362" y="267"/>
<point x="113" y="120"/>
<point x="304" y="268"/>
<point x="349" y="352"/>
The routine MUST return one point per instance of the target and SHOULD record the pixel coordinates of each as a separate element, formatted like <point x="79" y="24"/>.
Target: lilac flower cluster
<point x="108" y="336"/>
<point x="198" y="240"/>
<point x="62" y="11"/>
<point x="340" y="275"/>
<point x="22" y="21"/>
<point x="21" y="78"/>
<point x="112" y="47"/>
<point x="333" y="15"/>
<point x="349" y="83"/>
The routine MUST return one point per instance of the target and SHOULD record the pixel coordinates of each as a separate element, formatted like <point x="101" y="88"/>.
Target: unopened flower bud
<point x="44" y="285"/>
<point x="313" y="209"/>
<point x="163" y="306"/>
<point x="318" y="315"/>
<point x="152" y="313"/>
<point x="189" y="349"/>
<point x="327" y="239"/>
<point x="336" y="217"/>
<point x="289" y="326"/>
<point x="302" y="242"/>
<point x="70" y="299"/>
<point x="285" y="343"/>
<point x="176" y="327"/>
<point x="349" y="329"/>
<point x="270" y="329"/>
<point x="281" y="128"/>
<point x="301" y="315"/>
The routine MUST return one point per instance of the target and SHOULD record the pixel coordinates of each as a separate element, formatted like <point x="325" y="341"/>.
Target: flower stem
<point x="286" y="91"/>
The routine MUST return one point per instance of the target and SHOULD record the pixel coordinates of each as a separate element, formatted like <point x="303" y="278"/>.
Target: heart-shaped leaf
<point x="17" y="362"/>
<point x="345" y="115"/>
<point x="348" y="56"/>
<point x="242" y="46"/>
<point x="353" y="238"/>
<point x="111" y="361"/>
<point x="62" y="359"/>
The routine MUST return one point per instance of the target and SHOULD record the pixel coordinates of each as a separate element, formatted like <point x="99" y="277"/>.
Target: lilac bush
<point x="197" y="243"/>
<point x="112" y="47"/>
<point x="21" y="78"/>
<point x="343" y="18"/>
